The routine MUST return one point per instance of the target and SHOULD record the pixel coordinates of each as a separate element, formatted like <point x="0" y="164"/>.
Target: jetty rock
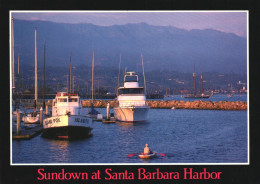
<point x="160" y="104"/>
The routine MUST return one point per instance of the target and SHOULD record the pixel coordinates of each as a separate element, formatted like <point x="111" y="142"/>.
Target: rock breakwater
<point x="197" y="104"/>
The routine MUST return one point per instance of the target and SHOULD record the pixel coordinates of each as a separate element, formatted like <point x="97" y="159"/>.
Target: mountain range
<point x="162" y="47"/>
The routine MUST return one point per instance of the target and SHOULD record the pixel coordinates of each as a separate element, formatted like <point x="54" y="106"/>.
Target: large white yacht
<point x="67" y="121"/>
<point x="131" y="100"/>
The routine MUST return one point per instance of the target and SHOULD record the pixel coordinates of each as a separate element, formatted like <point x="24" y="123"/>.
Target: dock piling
<point x="108" y="111"/>
<point x="41" y="115"/>
<point x="18" y="123"/>
<point x="46" y="110"/>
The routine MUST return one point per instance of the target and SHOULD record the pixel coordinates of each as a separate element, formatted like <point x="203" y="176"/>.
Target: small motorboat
<point x="31" y="118"/>
<point x="93" y="113"/>
<point x="152" y="154"/>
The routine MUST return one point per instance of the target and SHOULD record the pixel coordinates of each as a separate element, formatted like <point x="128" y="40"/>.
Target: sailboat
<point x="18" y="108"/>
<point x="34" y="117"/>
<point x="194" y="95"/>
<point x="92" y="113"/>
<point x="16" y="105"/>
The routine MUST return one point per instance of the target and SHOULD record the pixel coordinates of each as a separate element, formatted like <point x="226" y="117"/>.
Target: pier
<point x="27" y="133"/>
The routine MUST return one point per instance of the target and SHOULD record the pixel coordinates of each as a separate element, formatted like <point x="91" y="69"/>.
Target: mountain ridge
<point x="163" y="47"/>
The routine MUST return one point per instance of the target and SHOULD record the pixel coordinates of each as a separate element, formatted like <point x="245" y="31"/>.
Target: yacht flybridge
<point x="131" y="100"/>
<point x="67" y="121"/>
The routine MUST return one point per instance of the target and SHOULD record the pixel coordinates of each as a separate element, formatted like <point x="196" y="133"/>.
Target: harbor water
<point x="184" y="136"/>
<point x="216" y="98"/>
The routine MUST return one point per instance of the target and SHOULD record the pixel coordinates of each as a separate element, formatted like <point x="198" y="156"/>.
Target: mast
<point x="143" y="74"/>
<point x="73" y="78"/>
<point x="44" y="84"/>
<point x="118" y="83"/>
<point x="67" y="83"/>
<point x="18" y="77"/>
<point x="35" y="71"/>
<point x="13" y="81"/>
<point x="92" y="74"/>
<point x="70" y="76"/>
<point x="194" y="79"/>
<point x="201" y="78"/>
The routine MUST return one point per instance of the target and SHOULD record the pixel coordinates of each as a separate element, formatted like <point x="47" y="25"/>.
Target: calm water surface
<point x="185" y="136"/>
<point x="216" y="98"/>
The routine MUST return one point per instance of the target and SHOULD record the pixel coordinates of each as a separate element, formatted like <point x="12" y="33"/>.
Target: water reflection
<point x="130" y="124"/>
<point x="60" y="148"/>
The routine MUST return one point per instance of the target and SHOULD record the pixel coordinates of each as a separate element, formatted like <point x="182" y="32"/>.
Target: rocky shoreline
<point x="197" y="104"/>
<point x="160" y="104"/>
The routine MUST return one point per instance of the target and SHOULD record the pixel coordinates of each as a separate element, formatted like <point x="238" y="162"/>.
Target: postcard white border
<point x="98" y="164"/>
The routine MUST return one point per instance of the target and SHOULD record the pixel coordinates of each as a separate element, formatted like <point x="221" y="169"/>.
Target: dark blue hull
<point x="68" y="132"/>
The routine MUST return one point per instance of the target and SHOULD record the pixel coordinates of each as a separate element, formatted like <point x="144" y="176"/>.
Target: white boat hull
<point x="31" y="120"/>
<point x="67" y="127"/>
<point x="131" y="114"/>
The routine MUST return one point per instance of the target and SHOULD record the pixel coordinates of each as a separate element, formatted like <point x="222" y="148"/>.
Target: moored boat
<point x="67" y="121"/>
<point x="31" y="118"/>
<point x="92" y="113"/>
<point x="197" y="96"/>
<point x="131" y="100"/>
<point x="201" y="95"/>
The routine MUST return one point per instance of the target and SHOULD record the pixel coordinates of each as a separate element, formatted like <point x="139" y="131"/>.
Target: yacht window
<point x="131" y="91"/>
<point x="62" y="100"/>
<point x="73" y="99"/>
<point x="131" y="79"/>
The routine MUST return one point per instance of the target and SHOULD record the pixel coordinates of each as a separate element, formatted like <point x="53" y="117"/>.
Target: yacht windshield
<point x="131" y="79"/>
<point x="73" y="99"/>
<point x="62" y="100"/>
<point x="131" y="91"/>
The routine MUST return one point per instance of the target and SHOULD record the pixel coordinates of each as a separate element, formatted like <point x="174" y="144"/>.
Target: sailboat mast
<point x="118" y="83"/>
<point x="194" y="79"/>
<point x="67" y="83"/>
<point x="92" y="75"/>
<point x="44" y="84"/>
<point x="201" y="78"/>
<point x="70" y="75"/>
<point x="36" y="79"/>
<point x="13" y="81"/>
<point x="18" y="77"/>
<point x="143" y="74"/>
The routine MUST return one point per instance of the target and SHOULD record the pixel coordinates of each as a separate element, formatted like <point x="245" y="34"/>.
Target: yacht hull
<point x="67" y="127"/>
<point x="131" y="114"/>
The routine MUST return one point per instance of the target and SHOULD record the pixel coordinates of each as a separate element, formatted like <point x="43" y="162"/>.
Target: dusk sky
<point x="226" y="21"/>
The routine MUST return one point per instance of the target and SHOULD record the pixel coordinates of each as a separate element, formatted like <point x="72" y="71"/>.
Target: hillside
<point x="163" y="47"/>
